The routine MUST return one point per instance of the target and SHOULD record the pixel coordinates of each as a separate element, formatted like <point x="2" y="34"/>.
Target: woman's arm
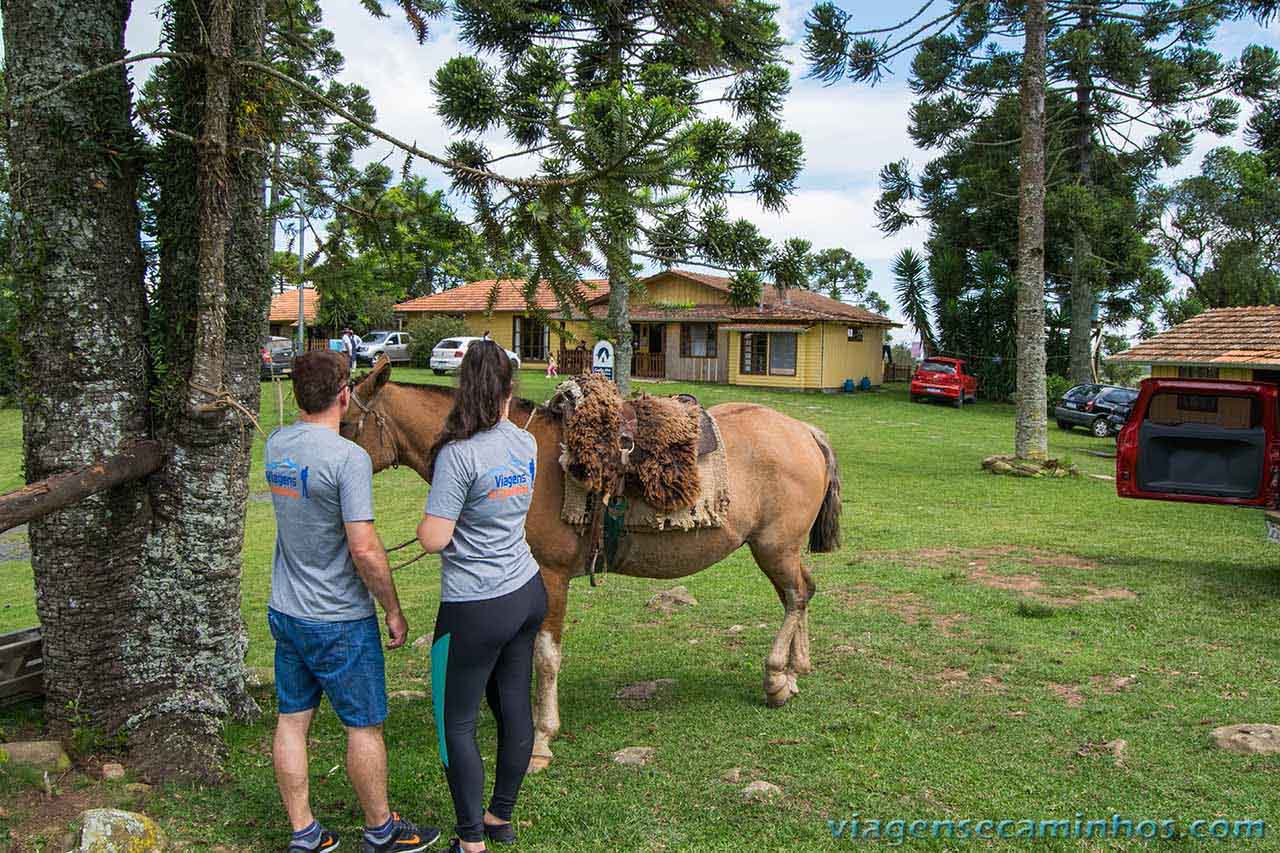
<point x="434" y="533"/>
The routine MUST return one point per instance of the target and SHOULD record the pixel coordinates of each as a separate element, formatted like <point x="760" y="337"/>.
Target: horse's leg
<point x="786" y="571"/>
<point x="546" y="663"/>
<point x="800" y="663"/>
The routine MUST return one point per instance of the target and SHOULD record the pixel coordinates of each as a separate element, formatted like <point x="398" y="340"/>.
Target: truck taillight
<point x="459" y="354"/>
<point x="266" y="354"/>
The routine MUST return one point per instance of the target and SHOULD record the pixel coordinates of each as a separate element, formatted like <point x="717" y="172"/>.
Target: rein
<point x="383" y="430"/>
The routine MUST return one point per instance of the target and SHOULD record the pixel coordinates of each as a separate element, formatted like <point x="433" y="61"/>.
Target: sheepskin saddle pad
<point x="671" y="438"/>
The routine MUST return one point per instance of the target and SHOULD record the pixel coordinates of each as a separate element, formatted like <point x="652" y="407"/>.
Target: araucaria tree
<point x="1128" y="80"/>
<point x="673" y="107"/>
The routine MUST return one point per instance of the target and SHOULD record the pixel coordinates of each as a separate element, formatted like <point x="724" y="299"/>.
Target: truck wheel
<point x="437" y="372"/>
<point x="1100" y="428"/>
<point x="959" y="401"/>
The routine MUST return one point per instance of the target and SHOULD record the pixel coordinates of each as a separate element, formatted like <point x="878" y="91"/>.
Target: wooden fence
<point x="21" y="665"/>
<point x="898" y="372"/>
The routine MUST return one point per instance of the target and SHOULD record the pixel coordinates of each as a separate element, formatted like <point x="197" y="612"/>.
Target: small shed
<point x="1221" y="343"/>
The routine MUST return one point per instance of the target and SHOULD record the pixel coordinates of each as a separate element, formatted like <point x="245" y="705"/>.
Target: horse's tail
<point x="824" y="536"/>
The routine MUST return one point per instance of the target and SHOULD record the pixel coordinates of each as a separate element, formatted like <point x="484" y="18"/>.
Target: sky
<point x="849" y="130"/>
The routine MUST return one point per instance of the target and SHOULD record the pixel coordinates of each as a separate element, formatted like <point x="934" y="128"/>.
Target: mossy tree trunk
<point x="138" y="588"/>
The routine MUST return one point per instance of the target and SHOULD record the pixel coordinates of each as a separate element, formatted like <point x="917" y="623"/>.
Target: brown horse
<point x="784" y="488"/>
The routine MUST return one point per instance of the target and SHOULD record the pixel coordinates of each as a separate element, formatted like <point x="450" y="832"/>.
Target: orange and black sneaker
<point x="398" y="835"/>
<point x="313" y="839"/>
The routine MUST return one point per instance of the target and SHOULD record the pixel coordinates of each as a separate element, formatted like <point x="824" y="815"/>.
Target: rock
<point x="259" y="677"/>
<point x="112" y="771"/>
<point x="423" y="642"/>
<point x="1248" y="738"/>
<point x="407" y="694"/>
<point x="643" y="691"/>
<point x="36" y="754"/>
<point x="761" y="791"/>
<point x="672" y="599"/>
<point x="115" y="831"/>
<point x="634" y="756"/>
<point x="734" y="775"/>
<point x="737" y="629"/>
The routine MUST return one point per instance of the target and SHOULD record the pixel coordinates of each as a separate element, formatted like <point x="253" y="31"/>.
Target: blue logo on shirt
<point x="287" y="478"/>
<point x="514" y="478"/>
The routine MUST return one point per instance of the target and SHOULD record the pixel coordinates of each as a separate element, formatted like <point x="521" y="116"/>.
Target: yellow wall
<point x="499" y="325"/>
<point x="675" y="290"/>
<point x="808" y="364"/>
<point x="1170" y="371"/>
<point x="845" y="359"/>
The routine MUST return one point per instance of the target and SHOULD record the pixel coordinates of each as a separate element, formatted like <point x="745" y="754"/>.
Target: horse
<point x="784" y="486"/>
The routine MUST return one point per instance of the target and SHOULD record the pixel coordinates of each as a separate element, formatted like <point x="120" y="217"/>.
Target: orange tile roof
<point x="284" y="306"/>
<point x="1243" y="337"/>
<point x="798" y="304"/>
<point x="475" y="296"/>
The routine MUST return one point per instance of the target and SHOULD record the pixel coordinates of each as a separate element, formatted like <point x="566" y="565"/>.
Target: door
<point x="1202" y="441"/>
<point x="399" y="351"/>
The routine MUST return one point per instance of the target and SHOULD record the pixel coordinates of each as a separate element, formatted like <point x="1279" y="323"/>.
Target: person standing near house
<point x="328" y="568"/>
<point x="553" y="369"/>
<point x="492" y="600"/>
<point x="350" y="340"/>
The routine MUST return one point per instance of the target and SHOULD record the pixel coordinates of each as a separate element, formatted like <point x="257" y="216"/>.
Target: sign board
<point x="602" y="359"/>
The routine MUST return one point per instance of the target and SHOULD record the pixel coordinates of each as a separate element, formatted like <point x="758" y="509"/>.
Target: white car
<point x="447" y="355"/>
<point x="395" y="345"/>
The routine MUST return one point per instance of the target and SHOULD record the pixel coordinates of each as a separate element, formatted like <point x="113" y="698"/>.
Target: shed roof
<point x="1220" y="337"/>
<point x="284" y="306"/>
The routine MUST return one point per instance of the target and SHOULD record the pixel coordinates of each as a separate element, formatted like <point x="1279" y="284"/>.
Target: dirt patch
<point x="47" y="817"/>
<point x="1110" y="684"/>
<point x="1069" y="693"/>
<point x="976" y="563"/>
<point x="906" y="605"/>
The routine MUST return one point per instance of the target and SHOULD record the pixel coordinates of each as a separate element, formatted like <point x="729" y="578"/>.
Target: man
<point x="329" y="565"/>
<point x="350" y="340"/>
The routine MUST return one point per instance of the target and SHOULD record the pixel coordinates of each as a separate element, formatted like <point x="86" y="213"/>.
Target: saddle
<point x="646" y="448"/>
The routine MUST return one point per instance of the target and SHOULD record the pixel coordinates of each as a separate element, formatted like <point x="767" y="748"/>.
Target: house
<point x="683" y="327"/>
<point x="1221" y="343"/>
<point x="282" y="318"/>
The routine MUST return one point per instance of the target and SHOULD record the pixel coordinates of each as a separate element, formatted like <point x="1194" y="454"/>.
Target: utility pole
<point x="302" y="319"/>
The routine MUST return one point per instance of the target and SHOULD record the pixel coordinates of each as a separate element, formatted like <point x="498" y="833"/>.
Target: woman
<point x="492" y="600"/>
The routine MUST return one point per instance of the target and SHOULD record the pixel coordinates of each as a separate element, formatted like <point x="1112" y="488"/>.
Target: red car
<point x="944" y="379"/>
<point x="1202" y="441"/>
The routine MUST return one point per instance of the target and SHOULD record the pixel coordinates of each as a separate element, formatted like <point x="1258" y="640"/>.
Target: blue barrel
<point x="848" y="386"/>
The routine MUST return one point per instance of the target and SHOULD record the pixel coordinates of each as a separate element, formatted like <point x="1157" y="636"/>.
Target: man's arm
<point x="372" y="566"/>
<point x="434" y="533"/>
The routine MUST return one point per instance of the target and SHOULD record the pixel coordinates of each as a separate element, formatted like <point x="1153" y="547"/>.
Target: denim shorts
<point x="342" y="660"/>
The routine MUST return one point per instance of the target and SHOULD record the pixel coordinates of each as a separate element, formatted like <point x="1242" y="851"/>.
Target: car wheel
<point x="437" y="371"/>
<point x="1100" y="428"/>
<point x="1064" y="425"/>
<point x="959" y="403"/>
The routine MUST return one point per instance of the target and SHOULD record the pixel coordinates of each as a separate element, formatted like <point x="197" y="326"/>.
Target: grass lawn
<point x="977" y="642"/>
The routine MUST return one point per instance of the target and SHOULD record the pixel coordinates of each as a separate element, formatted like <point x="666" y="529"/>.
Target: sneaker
<point x="455" y="846"/>
<point x="328" y="841"/>
<point x="503" y="833"/>
<point x="405" y="837"/>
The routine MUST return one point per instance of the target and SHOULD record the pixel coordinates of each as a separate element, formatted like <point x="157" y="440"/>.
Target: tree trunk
<point x="213" y="255"/>
<point x="619" y="255"/>
<point x="1031" y="440"/>
<point x="78" y="270"/>
<point x="620" y="323"/>
<point x="1080" y="335"/>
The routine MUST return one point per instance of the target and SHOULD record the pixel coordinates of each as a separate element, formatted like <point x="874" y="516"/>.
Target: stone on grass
<point x="112" y="770"/>
<point x="1248" y="738"/>
<point x="761" y="791"/>
<point x="737" y="629"/>
<point x="35" y="754"/>
<point x="634" y="756"/>
<point x="643" y="691"/>
<point x="259" y="676"/>
<point x="115" y="831"/>
<point x="734" y="775"/>
<point x="672" y="599"/>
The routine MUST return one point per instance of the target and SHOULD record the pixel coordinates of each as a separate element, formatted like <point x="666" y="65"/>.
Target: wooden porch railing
<point x="649" y="365"/>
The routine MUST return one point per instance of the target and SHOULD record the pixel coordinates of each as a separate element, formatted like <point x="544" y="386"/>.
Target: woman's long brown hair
<point x="484" y="384"/>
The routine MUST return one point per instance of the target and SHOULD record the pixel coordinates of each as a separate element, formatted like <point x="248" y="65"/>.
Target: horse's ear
<point x="376" y="378"/>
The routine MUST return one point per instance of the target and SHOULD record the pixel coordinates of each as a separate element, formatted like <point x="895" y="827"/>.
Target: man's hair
<point x="318" y="377"/>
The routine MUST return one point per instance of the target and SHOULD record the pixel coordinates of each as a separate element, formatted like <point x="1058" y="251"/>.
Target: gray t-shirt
<point x="485" y="484"/>
<point x="318" y="481"/>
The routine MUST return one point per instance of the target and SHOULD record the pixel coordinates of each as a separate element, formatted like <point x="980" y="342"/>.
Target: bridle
<point x="384" y="432"/>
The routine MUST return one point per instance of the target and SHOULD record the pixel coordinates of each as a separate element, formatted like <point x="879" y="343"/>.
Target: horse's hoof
<point x="538" y="763"/>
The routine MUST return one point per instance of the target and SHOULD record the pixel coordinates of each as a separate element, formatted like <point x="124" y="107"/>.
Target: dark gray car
<point x="1092" y="405"/>
<point x="277" y="357"/>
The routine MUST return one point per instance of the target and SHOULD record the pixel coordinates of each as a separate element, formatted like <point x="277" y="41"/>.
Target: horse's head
<point x="367" y="421"/>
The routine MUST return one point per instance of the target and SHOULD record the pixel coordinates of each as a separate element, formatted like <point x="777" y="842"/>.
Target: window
<point x="1197" y="373"/>
<point x="755" y="353"/>
<point x="854" y="333"/>
<point x="937" y="367"/>
<point x="782" y="354"/>
<point x="530" y="338"/>
<point x="769" y="353"/>
<point x="698" y="340"/>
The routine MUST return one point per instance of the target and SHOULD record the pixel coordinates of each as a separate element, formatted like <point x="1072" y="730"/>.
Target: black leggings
<point x="485" y="647"/>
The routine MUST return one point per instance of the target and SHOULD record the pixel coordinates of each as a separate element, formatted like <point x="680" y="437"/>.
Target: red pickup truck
<point x="941" y="378"/>
<point x="1203" y="441"/>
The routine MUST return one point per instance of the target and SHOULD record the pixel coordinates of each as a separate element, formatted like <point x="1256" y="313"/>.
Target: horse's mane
<point x="521" y="403"/>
